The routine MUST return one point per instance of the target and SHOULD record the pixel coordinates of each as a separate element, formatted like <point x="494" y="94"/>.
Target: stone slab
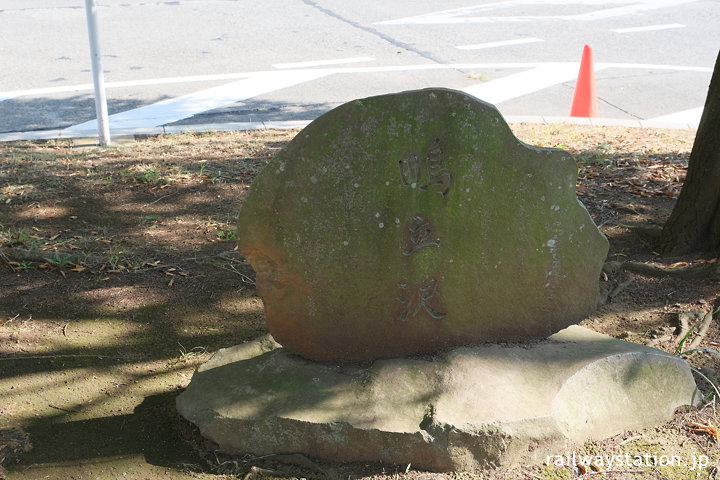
<point x="468" y="408"/>
<point x="414" y="222"/>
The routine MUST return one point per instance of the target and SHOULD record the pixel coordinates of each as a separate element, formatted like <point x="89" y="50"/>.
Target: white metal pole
<point x="98" y="75"/>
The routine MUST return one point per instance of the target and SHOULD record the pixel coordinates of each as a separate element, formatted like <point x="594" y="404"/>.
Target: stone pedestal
<point x="471" y="407"/>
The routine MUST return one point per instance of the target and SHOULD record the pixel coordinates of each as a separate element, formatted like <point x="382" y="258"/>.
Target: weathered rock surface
<point x="414" y="222"/>
<point x="471" y="407"/>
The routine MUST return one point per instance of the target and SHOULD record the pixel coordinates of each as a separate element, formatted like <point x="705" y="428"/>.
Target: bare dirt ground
<point x="119" y="276"/>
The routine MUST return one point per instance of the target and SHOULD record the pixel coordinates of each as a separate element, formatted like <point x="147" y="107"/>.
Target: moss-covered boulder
<point x="410" y="223"/>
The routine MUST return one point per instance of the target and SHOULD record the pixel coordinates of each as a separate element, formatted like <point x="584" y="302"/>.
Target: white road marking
<point x="648" y="28"/>
<point x="652" y="66"/>
<point x="523" y="83"/>
<point x="347" y="70"/>
<point x="132" y="83"/>
<point x="690" y="117"/>
<point x="502" y="43"/>
<point x="44" y="91"/>
<point x="175" y="109"/>
<point x="323" y="63"/>
<point x="536" y="77"/>
<point x="519" y="65"/>
<point x="469" y="14"/>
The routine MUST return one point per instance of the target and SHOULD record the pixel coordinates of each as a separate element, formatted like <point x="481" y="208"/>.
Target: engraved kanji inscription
<point x="429" y="173"/>
<point x="410" y="170"/>
<point x="422" y="235"/>
<point x="440" y="177"/>
<point x="419" y="301"/>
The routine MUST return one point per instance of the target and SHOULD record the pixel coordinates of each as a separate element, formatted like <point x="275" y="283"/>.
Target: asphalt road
<point x="200" y="62"/>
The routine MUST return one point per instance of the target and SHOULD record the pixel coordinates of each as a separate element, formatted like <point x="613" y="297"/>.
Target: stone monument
<point x="400" y="242"/>
<point x="406" y="224"/>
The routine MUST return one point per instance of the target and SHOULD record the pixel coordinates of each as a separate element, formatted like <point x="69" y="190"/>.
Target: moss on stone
<point x="412" y="222"/>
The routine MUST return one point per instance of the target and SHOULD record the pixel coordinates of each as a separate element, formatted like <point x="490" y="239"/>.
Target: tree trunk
<point x="694" y="224"/>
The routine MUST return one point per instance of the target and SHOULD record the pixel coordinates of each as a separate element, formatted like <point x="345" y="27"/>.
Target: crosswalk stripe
<point x="178" y="108"/>
<point x="523" y="83"/>
<point x="603" y="9"/>
<point x="533" y="78"/>
<point x="648" y="28"/>
<point x="502" y="43"/>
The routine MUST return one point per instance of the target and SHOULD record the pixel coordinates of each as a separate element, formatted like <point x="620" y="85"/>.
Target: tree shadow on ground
<point x="118" y="277"/>
<point x="60" y="111"/>
<point x="151" y="430"/>
<point x="259" y="111"/>
<point x="154" y="283"/>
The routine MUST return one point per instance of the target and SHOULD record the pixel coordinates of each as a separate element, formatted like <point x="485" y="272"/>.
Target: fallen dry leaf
<point x="707" y="428"/>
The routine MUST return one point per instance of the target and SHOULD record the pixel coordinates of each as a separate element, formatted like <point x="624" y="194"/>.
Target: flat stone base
<point x="469" y="408"/>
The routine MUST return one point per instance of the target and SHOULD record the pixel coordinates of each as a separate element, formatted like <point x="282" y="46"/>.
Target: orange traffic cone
<point x="584" y="102"/>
